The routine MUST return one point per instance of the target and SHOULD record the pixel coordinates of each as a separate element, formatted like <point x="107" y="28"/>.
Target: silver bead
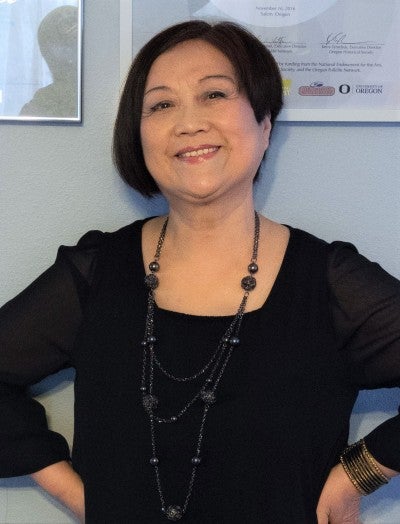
<point x="150" y="402"/>
<point x="196" y="461"/>
<point x="174" y="513"/>
<point x="208" y="396"/>
<point x="154" y="461"/>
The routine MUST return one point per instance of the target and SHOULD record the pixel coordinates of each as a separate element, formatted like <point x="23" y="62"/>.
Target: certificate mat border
<point x="286" y="115"/>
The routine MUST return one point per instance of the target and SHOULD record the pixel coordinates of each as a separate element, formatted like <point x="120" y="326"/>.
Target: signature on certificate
<point x="341" y="38"/>
<point x="279" y="40"/>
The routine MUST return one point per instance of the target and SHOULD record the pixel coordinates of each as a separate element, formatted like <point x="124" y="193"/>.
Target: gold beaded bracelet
<point x="362" y="469"/>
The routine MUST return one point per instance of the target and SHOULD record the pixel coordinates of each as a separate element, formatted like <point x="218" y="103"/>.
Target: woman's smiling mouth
<point x="200" y="152"/>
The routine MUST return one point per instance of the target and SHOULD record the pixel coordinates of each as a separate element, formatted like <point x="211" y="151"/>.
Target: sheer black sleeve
<point x="37" y="331"/>
<point x="366" y="309"/>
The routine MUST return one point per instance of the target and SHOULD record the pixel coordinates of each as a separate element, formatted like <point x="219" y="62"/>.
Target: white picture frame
<point x="41" y="60"/>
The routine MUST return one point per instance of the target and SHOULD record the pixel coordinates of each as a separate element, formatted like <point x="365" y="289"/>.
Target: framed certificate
<point x="40" y="60"/>
<point x="340" y="60"/>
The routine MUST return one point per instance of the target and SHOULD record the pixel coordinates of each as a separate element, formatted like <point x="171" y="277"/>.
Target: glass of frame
<point x="40" y="60"/>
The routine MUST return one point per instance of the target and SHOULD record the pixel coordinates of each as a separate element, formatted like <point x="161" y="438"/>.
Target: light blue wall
<point x="339" y="181"/>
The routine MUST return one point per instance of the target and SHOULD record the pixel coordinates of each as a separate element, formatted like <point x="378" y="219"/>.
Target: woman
<point x="218" y="387"/>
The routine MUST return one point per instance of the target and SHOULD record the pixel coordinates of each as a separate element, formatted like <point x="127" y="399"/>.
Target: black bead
<point x="154" y="266"/>
<point x="143" y="388"/>
<point x="151" y="339"/>
<point x="151" y="281"/>
<point x="252" y="267"/>
<point x="196" y="461"/>
<point x="154" y="461"/>
<point x="174" y="419"/>
<point x="144" y="343"/>
<point x="225" y="339"/>
<point x="234" y="341"/>
<point x="174" y="513"/>
<point x="248" y="283"/>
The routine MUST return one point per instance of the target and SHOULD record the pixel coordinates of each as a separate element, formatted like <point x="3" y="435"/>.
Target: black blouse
<point x="330" y="327"/>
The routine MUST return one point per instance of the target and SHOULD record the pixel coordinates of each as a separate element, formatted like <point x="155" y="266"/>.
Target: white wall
<point x="339" y="181"/>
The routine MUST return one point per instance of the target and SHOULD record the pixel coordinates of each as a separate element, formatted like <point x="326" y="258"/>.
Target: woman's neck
<point x="205" y="255"/>
<point x="209" y="227"/>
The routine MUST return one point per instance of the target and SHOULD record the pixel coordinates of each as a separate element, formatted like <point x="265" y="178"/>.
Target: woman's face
<point x="199" y="135"/>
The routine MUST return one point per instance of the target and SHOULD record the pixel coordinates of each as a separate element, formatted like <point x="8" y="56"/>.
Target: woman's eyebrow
<point x="204" y="79"/>
<point x="223" y="77"/>
<point x="157" y="88"/>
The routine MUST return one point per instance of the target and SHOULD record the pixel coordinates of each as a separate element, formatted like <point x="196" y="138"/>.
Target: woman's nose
<point x="191" y="120"/>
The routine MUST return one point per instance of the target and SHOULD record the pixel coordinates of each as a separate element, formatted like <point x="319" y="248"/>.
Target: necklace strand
<point x="215" y="368"/>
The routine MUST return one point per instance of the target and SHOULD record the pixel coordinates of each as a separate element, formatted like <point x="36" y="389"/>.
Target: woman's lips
<point x="195" y="154"/>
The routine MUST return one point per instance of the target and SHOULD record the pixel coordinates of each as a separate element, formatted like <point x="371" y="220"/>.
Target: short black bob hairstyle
<point x="257" y="72"/>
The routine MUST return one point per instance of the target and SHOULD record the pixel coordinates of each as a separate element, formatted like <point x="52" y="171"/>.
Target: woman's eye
<point x="160" y="105"/>
<point x="215" y="94"/>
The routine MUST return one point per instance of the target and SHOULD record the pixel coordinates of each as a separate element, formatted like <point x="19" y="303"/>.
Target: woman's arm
<point x="63" y="483"/>
<point x="37" y="332"/>
<point x="365" y="304"/>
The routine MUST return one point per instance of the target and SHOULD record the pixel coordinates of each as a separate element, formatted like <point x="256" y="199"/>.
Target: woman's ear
<point x="266" y="129"/>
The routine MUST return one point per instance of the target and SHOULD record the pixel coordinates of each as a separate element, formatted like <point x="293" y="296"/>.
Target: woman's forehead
<point x="192" y="57"/>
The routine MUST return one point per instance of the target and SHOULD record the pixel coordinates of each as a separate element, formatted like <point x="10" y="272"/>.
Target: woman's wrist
<point x="365" y="473"/>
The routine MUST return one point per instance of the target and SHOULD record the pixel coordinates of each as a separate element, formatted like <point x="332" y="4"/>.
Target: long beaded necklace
<point x="211" y="373"/>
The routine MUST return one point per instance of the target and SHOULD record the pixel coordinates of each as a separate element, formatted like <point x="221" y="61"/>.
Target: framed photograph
<point x="340" y="60"/>
<point x="40" y="60"/>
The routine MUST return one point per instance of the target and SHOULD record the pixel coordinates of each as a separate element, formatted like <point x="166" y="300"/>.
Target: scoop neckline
<point x="253" y="312"/>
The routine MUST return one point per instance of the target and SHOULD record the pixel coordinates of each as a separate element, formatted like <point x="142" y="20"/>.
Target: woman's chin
<point x="195" y="191"/>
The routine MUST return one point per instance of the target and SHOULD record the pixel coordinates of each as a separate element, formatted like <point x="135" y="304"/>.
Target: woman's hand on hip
<point x="339" y="502"/>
